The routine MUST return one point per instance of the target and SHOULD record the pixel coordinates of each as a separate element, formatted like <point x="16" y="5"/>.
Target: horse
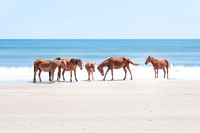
<point x="47" y="66"/>
<point x="90" y="67"/>
<point x="116" y="63"/>
<point x="158" y="64"/>
<point x="71" y="66"/>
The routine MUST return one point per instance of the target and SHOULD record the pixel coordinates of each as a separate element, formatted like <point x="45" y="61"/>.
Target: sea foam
<point x="25" y="74"/>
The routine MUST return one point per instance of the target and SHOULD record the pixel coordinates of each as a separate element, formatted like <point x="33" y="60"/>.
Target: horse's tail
<point x="167" y="63"/>
<point x="129" y="60"/>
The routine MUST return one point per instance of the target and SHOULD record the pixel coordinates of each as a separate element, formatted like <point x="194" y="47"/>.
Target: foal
<point x="158" y="64"/>
<point x="90" y="67"/>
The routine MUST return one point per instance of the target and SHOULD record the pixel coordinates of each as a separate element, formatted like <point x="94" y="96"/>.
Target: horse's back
<point x="117" y="63"/>
<point x="67" y="60"/>
<point x="38" y="61"/>
<point x="45" y="65"/>
<point x="163" y="63"/>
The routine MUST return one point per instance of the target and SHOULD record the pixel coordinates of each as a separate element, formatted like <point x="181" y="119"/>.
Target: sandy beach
<point x="157" y="105"/>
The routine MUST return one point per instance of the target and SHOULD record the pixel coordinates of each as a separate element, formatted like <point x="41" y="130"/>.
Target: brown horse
<point x="90" y="67"/>
<point x="116" y="63"/>
<point x="47" y="66"/>
<point x="71" y="66"/>
<point x="158" y="64"/>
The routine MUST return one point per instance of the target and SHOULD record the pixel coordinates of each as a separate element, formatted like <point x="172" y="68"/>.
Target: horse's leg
<point x="164" y="72"/>
<point x="49" y="76"/>
<point x="125" y="72"/>
<point x="40" y="71"/>
<point x="106" y="74"/>
<point x="88" y="76"/>
<point x="70" y="76"/>
<point x="52" y="74"/>
<point x="75" y="75"/>
<point x="157" y="73"/>
<point x="59" y="71"/>
<point x="130" y="72"/>
<point x="92" y="76"/>
<point x="112" y="73"/>
<point x="63" y="75"/>
<point x="34" y="77"/>
<point x="167" y="71"/>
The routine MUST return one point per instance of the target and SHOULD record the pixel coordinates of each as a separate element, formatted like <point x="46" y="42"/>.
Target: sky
<point x="99" y="19"/>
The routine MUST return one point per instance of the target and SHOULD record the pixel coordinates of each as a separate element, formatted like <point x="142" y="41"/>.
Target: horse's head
<point x="101" y="70"/>
<point x="79" y="63"/>
<point x="63" y="65"/>
<point x="93" y="67"/>
<point x="148" y="60"/>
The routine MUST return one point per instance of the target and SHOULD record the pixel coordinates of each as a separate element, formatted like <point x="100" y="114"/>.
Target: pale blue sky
<point x="99" y="19"/>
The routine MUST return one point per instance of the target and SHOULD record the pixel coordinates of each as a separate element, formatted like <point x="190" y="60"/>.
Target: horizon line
<point x="97" y="39"/>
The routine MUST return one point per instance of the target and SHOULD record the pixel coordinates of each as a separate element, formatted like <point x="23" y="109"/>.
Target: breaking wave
<point x="25" y="74"/>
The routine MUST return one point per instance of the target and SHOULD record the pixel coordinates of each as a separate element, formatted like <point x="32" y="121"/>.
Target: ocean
<point x="17" y="56"/>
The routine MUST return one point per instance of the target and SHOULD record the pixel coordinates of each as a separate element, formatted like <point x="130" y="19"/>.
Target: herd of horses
<point x="111" y="63"/>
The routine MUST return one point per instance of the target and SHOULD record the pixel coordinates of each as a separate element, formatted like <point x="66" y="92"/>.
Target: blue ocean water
<point x="23" y="52"/>
<point x="17" y="57"/>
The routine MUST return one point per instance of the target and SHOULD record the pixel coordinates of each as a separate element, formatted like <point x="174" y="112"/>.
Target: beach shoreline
<point x="154" y="105"/>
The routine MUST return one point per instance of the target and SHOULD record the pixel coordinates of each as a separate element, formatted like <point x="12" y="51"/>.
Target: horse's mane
<point x="151" y="57"/>
<point x="105" y="61"/>
<point x="58" y="58"/>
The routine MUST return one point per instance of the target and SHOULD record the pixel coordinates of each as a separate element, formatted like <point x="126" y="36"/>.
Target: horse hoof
<point x="103" y="79"/>
<point x="34" y="81"/>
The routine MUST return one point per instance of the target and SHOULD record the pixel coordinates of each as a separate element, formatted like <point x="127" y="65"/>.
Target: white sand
<point x="156" y="105"/>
